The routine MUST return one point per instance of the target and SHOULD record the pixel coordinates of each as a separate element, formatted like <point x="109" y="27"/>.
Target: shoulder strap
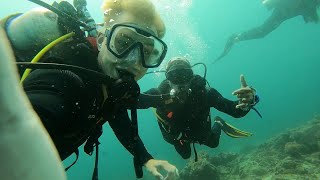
<point x="77" y="154"/>
<point x="93" y="140"/>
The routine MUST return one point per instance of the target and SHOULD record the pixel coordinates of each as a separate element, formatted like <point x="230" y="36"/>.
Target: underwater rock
<point x="294" y="149"/>
<point x="293" y="154"/>
<point x="286" y="166"/>
<point x="252" y="171"/>
<point x="223" y="158"/>
<point x="200" y="170"/>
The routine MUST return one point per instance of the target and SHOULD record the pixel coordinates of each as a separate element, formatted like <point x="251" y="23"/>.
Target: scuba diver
<point x="282" y="10"/>
<point x="78" y="78"/>
<point x="183" y="103"/>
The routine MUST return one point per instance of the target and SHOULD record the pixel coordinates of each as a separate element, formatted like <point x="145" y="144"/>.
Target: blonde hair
<point x="141" y="9"/>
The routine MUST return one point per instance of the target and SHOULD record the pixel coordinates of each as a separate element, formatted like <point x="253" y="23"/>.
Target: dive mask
<point x="180" y="76"/>
<point x="180" y="82"/>
<point x="124" y="38"/>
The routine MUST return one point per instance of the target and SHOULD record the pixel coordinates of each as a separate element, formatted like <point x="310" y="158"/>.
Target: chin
<point x="138" y="76"/>
<point x="108" y="69"/>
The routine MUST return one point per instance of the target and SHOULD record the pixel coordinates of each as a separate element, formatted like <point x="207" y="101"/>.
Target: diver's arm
<point x="155" y="97"/>
<point x="121" y="126"/>
<point x="152" y="98"/>
<point x="33" y="29"/>
<point x="25" y="143"/>
<point x="222" y="104"/>
<point x="267" y="27"/>
<point x="273" y="22"/>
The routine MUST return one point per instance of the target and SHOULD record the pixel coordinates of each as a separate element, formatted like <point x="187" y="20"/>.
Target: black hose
<point x="59" y="13"/>
<point x="85" y="16"/>
<point x="97" y="75"/>
<point x="205" y="69"/>
<point x="95" y="171"/>
<point x="160" y="71"/>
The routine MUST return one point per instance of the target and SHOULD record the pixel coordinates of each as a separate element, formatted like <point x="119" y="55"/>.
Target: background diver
<point x="282" y="10"/>
<point x="183" y="103"/>
<point x="77" y="83"/>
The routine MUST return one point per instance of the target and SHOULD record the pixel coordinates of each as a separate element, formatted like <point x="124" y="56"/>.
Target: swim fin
<point x="231" y="130"/>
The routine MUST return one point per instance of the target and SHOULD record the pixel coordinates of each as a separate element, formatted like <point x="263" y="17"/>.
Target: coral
<point x="294" y="154"/>
<point x="294" y="149"/>
<point x="200" y="170"/>
<point x="223" y="158"/>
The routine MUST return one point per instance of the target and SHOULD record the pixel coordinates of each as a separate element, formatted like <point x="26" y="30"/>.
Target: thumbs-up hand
<point x="245" y="94"/>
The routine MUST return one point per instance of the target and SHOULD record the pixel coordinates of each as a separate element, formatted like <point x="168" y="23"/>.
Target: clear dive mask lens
<point x="123" y="38"/>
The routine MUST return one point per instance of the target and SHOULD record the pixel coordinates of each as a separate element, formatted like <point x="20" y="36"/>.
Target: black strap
<point x="95" y="171"/>
<point x="60" y="13"/>
<point x="92" y="142"/>
<point x="259" y="114"/>
<point x="195" y="153"/>
<point x="77" y="154"/>
<point x="98" y="76"/>
<point x="136" y="162"/>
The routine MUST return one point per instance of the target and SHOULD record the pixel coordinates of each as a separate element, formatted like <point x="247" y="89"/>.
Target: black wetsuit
<point x="189" y="121"/>
<point x="70" y="103"/>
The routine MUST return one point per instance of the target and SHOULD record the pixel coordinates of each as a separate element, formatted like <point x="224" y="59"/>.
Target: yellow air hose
<point x="43" y="51"/>
<point x="154" y="110"/>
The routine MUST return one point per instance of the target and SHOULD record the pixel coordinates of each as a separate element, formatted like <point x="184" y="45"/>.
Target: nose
<point x="147" y="50"/>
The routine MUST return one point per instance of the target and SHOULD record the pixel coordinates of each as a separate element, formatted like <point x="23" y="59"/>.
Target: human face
<point x="123" y="39"/>
<point x="132" y="48"/>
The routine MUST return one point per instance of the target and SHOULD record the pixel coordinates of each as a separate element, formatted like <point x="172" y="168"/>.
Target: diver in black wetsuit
<point x="282" y="10"/>
<point x="74" y="102"/>
<point x="183" y="103"/>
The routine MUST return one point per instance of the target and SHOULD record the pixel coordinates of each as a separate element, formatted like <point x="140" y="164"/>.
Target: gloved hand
<point x="245" y="94"/>
<point x="153" y="167"/>
<point x="67" y="26"/>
